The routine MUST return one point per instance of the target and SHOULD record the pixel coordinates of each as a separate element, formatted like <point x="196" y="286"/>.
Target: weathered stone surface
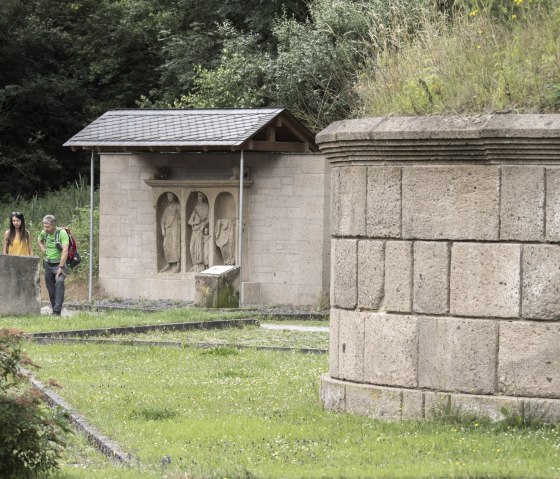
<point x="541" y="282"/>
<point x="522" y="203"/>
<point x="217" y="290"/>
<point x="383" y="218"/>
<point x="391" y="349"/>
<point x="333" y="393"/>
<point x="334" y="328"/>
<point x="470" y="314"/>
<point x="251" y="293"/>
<point x="398" y="276"/>
<point x="351" y="346"/>
<point x="19" y="285"/>
<point x="546" y="410"/>
<point x="371" y="273"/>
<point x="529" y="359"/>
<point x="412" y="404"/>
<point x="431" y="277"/>
<point x="457" y="354"/>
<point x="485" y="279"/>
<point x="405" y="127"/>
<point x="374" y="401"/>
<point x="450" y="202"/>
<point x="553" y="204"/>
<point x="439" y="404"/>
<point x="344" y="273"/>
<point x="348" y="203"/>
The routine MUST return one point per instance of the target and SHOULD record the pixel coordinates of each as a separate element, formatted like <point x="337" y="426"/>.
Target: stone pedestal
<point x="445" y="274"/>
<point x="217" y="287"/>
<point x="20" y="292"/>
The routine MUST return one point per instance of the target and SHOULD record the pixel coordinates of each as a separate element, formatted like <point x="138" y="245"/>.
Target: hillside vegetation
<point x="498" y="57"/>
<point x="66" y="63"/>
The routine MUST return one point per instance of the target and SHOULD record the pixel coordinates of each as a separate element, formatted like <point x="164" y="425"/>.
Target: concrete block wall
<point x="287" y="225"/>
<point x="445" y="277"/>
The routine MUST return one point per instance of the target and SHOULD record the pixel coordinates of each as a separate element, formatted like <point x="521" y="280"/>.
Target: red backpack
<point x="73" y="258"/>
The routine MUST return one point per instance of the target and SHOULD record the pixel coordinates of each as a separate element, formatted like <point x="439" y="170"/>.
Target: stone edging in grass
<point x="78" y="421"/>
<point x="272" y="315"/>
<point x="212" y="324"/>
<point x="171" y="344"/>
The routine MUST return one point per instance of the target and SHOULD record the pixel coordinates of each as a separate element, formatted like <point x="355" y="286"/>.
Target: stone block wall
<point x="20" y="293"/>
<point x="287" y="256"/>
<point x="446" y="265"/>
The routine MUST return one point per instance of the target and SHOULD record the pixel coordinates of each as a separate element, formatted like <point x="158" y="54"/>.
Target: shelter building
<point x="170" y="202"/>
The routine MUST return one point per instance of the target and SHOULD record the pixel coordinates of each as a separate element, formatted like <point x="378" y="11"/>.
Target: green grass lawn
<point x="247" y="413"/>
<point x="107" y="319"/>
<point x="248" y="335"/>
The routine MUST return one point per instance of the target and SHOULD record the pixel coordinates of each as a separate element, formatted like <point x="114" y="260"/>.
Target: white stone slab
<point x="219" y="269"/>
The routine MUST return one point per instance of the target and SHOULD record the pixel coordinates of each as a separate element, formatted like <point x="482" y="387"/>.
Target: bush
<point x="31" y="435"/>
<point x="310" y="67"/>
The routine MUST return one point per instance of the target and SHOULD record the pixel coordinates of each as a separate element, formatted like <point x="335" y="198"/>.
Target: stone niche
<point x="196" y="224"/>
<point x="445" y="266"/>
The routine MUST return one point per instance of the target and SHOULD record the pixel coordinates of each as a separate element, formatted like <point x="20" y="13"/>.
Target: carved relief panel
<point x="198" y="231"/>
<point x="196" y="224"/>
<point x="168" y="233"/>
<point x="225" y="229"/>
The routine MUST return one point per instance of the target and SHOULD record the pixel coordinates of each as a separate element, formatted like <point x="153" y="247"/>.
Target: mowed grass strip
<point x="245" y="413"/>
<point x="108" y="319"/>
<point x="247" y="335"/>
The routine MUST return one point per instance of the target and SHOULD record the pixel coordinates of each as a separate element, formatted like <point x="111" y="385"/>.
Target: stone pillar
<point x="445" y="286"/>
<point x="217" y="287"/>
<point x="20" y="292"/>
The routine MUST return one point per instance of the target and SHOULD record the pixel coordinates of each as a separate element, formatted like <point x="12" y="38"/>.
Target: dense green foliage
<point x="31" y="434"/>
<point x="62" y="64"/>
<point x="70" y="206"/>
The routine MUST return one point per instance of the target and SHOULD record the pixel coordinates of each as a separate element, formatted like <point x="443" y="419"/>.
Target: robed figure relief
<point x="171" y="232"/>
<point x="225" y="239"/>
<point x="199" y="246"/>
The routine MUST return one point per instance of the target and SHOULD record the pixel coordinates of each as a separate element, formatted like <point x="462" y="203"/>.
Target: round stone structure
<point x="445" y="266"/>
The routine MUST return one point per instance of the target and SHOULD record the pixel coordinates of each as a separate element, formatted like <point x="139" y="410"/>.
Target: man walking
<point x="56" y="253"/>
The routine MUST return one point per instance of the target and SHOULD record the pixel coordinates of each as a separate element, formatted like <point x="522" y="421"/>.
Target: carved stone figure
<point x="171" y="231"/>
<point x="225" y="239"/>
<point x="198" y="221"/>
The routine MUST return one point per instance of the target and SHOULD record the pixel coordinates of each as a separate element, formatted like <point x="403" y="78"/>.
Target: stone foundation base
<point x="400" y="403"/>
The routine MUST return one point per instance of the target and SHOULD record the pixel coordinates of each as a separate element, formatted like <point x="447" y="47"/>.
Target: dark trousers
<point x="55" y="286"/>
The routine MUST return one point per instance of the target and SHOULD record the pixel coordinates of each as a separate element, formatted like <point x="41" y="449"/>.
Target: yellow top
<point x="19" y="248"/>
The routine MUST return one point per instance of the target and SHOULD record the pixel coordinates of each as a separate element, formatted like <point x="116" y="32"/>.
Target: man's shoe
<point x="54" y="313"/>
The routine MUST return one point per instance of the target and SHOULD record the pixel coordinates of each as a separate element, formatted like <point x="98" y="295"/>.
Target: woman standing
<point x="16" y="239"/>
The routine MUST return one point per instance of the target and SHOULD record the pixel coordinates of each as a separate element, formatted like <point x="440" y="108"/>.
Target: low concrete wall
<point x="20" y="292"/>
<point x="445" y="277"/>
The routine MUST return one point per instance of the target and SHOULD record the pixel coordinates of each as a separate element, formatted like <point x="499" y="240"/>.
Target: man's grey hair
<point x="49" y="219"/>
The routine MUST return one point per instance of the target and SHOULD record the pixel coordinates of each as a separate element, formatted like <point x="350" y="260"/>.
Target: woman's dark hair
<point x="24" y="234"/>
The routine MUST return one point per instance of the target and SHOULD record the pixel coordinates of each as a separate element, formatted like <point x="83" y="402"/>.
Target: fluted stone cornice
<point x="494" y="138"/>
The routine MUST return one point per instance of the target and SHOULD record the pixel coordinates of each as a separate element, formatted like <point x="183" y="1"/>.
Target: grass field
<point x="191" y="413"/>
<point x="246" y="336"/>
<point x="89" y="320"/>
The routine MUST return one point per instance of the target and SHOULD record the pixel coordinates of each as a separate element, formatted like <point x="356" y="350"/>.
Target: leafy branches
<point x="31" y="435"/>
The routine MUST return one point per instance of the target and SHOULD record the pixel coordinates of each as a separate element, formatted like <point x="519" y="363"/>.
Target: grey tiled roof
<point x="176" y="128"/>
